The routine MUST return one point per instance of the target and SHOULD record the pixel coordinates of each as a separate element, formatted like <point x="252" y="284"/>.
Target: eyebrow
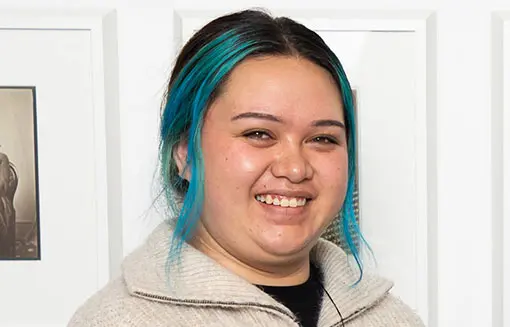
<point x="269" y="117"/>
<point x="257" y="115"/>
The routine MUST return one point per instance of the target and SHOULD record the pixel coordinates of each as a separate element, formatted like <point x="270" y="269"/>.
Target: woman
<point x="258" y="147"/>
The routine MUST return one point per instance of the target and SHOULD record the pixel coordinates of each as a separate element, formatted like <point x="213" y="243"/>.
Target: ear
<point x="180" y="155"/>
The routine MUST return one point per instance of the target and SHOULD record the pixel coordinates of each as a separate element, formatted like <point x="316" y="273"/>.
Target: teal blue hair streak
<point x="348" y="215"/>
<point x="201" y="70"/>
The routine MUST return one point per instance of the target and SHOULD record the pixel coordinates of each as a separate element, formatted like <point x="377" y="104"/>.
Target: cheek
<point x="343" y="171"/>
<point x="247" y="162"/>
<point x="230" y="173"/>
<point x="232" y="165"/>
<point x="335" y="174"/>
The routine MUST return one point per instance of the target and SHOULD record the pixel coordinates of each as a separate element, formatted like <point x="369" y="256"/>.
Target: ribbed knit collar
<point x="198" y="280"/>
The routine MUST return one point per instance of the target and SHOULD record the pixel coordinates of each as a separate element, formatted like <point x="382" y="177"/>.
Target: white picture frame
<point x="505" y="163"/>
<point x="500" y="167"/>
<point x="100" y="26"/>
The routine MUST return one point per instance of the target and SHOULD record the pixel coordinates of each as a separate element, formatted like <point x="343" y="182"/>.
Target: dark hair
<point x="198" y="77"/>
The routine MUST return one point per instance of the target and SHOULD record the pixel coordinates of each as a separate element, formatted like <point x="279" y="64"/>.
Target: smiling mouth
<point x="282" y="201"/>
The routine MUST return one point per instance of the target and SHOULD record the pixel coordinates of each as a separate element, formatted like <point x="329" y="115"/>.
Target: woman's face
<point x="275" y="158"/>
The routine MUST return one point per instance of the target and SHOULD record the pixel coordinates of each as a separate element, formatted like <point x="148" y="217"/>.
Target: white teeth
<point x="284" y="202"/>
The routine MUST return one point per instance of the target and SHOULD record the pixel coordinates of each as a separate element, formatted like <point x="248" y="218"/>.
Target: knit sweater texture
<point x="198" y="292"/>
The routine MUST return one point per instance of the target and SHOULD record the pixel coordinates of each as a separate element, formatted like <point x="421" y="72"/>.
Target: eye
<point x="258" y="135"/>
<point x="324" y="139"/>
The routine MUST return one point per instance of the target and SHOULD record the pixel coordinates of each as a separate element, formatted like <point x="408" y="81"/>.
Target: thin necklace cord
<point x="331" y="299"/>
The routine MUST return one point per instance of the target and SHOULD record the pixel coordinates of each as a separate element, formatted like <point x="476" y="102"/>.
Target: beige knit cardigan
<point x="200" y="292"/>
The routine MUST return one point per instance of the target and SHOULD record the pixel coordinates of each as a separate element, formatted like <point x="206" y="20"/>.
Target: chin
<point x="285" y="246"/>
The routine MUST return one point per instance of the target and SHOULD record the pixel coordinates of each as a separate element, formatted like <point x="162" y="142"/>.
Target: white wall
<point x="465" y="264"/>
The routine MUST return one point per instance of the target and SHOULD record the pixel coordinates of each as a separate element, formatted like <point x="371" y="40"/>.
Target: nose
<point x="293" y="165"/>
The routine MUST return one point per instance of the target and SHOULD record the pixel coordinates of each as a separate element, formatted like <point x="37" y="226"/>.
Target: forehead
<point x="282" y="86"/>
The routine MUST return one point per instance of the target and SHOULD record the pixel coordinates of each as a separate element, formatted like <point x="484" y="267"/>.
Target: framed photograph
<point x="19" y="192"/>
<point x="55" y="133"/>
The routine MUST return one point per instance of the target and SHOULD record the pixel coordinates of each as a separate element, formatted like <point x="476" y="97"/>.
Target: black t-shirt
<point x="303" y="300"/>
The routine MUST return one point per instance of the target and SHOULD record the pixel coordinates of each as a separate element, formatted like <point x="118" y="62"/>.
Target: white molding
<point x="92" y="21"/>
<point x="500" y="167"/>
<point x="500" y="140"/>
<point x="422" y="23"/>
<point x="506" y="172"/>
<point x="430" y="219"/>
<point x="52" y="19"/>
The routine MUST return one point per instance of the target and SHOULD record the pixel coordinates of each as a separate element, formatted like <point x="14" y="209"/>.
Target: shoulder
<point x="370" y="303"/>
<point x="389" y="311"/>
<point x="111" y="306"/>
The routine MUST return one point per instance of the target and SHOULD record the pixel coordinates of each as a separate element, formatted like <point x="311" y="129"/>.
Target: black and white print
<point x="19" y="198"/>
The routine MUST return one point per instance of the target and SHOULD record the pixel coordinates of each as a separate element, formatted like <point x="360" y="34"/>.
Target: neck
<point x="275" y="273"/>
